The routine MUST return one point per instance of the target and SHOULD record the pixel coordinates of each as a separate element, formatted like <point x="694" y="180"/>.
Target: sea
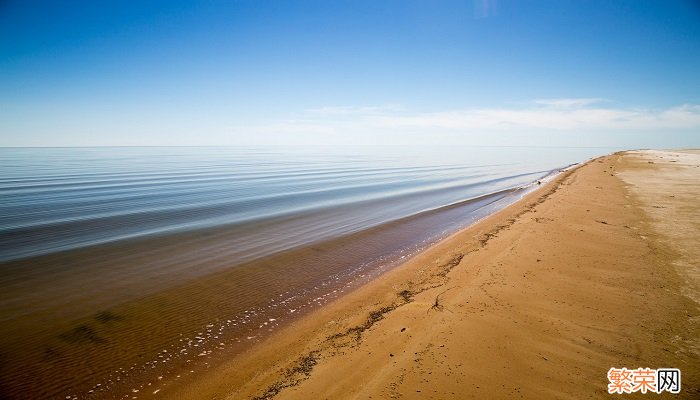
<point x="123" y="267"/>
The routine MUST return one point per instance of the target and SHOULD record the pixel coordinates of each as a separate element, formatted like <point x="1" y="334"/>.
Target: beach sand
<point x="597" y="269"/>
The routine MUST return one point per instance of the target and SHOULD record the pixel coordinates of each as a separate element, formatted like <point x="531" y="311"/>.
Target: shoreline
<point x="355" y="307"/>
<point x="106" y="335"/>
<point x="435" y="288"/>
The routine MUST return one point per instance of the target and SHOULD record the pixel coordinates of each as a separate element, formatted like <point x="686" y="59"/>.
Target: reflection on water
<point x="119" y="264"/>
<point x="59" y="199"/>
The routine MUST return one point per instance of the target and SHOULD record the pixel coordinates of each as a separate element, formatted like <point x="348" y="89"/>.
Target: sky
<point x="477" y="72"/>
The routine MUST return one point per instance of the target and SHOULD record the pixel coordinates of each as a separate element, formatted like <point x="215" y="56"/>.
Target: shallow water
<point x="119" y="264"/>
<point x="60" y="199"/>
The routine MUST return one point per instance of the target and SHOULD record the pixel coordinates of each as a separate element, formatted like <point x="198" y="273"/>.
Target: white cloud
<point x="557" y="115"/>
<point x="544" y="121"/>
<point x="354" y="110"/>
<point x="569" y="103"/>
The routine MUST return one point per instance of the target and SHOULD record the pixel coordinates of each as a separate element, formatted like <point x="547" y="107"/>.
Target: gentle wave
<point x="61" y="199"/>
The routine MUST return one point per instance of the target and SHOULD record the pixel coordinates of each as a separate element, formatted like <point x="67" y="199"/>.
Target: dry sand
<point x="597" y="269"/>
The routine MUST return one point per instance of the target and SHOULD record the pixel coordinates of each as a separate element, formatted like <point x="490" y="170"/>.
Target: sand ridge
<point x="536" y="301"/>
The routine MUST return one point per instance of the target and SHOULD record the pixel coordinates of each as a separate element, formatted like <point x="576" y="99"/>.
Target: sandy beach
<point x="269" y="200"/>
<point x="597" y="269"/>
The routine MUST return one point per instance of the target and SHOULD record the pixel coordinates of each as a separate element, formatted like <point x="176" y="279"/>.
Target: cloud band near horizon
<point x="548" y="114"/>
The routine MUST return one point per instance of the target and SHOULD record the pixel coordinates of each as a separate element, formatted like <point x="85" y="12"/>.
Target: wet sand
<point x="597" y="269"/>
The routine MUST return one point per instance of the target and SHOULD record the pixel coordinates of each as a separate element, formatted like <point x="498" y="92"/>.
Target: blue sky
<point x="481" y="72"/>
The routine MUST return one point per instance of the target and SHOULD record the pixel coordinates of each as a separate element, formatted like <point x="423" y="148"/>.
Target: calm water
<point x="66" y="198"/>
<point x="113" y="257"/>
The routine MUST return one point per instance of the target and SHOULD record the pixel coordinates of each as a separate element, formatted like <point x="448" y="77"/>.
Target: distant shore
<point x="597" y="269"/>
